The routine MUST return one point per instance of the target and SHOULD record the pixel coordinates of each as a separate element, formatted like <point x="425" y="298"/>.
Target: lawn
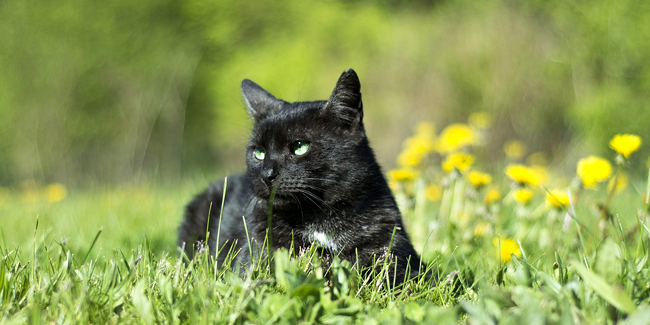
<point x="506" y="248"/>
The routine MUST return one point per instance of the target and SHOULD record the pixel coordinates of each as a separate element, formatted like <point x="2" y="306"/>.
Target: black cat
<point x="330" y="191"/>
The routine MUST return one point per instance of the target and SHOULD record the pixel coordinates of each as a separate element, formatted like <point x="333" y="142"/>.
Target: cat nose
<point x="269" y="176"/>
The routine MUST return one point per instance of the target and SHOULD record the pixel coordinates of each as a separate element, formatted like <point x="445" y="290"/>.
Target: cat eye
<point x="300" y="148"/>
<point x="259" y="153"/>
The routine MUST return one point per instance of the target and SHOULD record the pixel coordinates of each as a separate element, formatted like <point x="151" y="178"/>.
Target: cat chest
<point x="323" y="239"/>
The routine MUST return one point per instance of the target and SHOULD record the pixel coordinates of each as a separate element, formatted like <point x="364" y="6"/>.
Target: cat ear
<point x="259" y="102"/>
<point x="345" y="103"/>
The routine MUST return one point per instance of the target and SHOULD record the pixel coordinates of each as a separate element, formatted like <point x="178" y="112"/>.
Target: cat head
<point x="344" y="104"/>
<point x="313" y="152"/>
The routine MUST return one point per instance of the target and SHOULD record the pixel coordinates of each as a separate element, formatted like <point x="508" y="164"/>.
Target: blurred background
<point x="130" y="91"/>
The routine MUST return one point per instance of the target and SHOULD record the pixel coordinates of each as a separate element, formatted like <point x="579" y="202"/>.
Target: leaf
<point x="639" y="317"/>
<point x="414" y="312"/>
<point x="442" y="315"/>
<point x="550" y="283"/>
<point x="616" y="297"/>
<point x="306" y="290"/>
<point x="141" y="303"/>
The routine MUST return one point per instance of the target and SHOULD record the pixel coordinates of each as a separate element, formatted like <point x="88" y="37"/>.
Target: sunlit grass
<point x="126" y="215"/>
<point x="506" y="243"/>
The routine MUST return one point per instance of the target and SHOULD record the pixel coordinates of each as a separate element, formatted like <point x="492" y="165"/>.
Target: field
<point x="506" y="249"/>
<point x="530" y="209"/>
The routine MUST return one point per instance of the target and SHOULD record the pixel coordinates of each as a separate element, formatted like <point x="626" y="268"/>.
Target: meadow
<point x="513" y="243"/>
<point x="518" y="194"/>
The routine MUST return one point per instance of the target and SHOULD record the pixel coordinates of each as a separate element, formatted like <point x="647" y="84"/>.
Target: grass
<point x="109" y="256"/>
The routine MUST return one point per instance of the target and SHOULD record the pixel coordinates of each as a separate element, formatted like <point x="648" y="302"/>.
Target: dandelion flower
<point x="492" y="196"/>
<point x="455" y="137"/>
<point x="462" y="216"/>
<point x="29" y="192"/>
<point x="514" y="149"/>
<point x="506" y="248"/>
<point x="480" y="120"/>
<point x="621" y="182"/>
<point x="537" y="158"/>
<point x="409" y="158"/>
<point x="478" y="179"/>
<point x="459" y="161"/>
<point x="433" y="192"/>
<point x="541" y="172"/>
<point x="393" y="185"/>
<point x="625" y="144"/>
<point x="417" y="147"/>
<point x="55" y="193"/>
<point x="482" y="228"/>
<point x="592" y="170"/>
<point x="522" y="195"/>
<point x="401" y="175"/>
<point x="425" y="129"/>
<point x="558" y="199"/>
<point x="522" y="175"/>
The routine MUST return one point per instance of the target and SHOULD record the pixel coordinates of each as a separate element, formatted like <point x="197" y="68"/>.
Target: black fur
<point x="334" y="195"/>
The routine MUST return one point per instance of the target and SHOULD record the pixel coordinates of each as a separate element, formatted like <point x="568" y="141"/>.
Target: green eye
<point x="300" y="148"/>
<point x="258" y="153"/>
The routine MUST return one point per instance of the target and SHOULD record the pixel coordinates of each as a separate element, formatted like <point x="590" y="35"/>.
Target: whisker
<point x="315" y="199"/>
<point x="302" y="214"/>
<point x="319" y="179"/>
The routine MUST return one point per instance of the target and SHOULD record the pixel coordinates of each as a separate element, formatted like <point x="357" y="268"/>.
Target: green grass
<point x="109" y="256"/>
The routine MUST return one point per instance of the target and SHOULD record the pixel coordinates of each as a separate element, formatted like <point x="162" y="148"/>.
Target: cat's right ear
<point x="259" y="102"/>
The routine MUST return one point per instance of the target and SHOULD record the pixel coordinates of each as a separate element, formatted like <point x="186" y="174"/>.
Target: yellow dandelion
<point x="401" y="175"/>
<point x="522" y="175"/>
<point x="409" y="159"/>
<point x="416" y="148"/>
<point x="393" y="185"/>
<point x="482" y="228"/>
<point x="462" y="216"/>
<point x="522" y="195"/>
<point x="514" y="149"/>
<point x="492" y="196"/>
<point x="478" y="179"/>
<point x="420" y="142"/>
<point x="625" y="144"/>
<point x="621" y="182"/>
<point x="558" y="199"/>
<point x="541" y="172"/>
<point x="55" y="193"/>
<point x="537" y="158"/>
<point x="455" y="137"/>
<point x="459" y="161"/>
<point x="29" y="192"/>
<point x="425" y="129"/>
<point x="434" y="192"/>
<point x="506" y="248"/>
<point x="480" y="120"/>
<point x="592" y="170"/>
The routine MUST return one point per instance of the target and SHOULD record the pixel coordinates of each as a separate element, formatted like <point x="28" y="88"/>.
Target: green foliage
<point x="109" y="257"/>
<point x="149" y="288"/>
<point x="123" y="90"/>
<point x="94" y="89"/>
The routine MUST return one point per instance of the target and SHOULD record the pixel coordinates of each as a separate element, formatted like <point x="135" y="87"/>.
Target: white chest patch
<point x="324" y="240"/>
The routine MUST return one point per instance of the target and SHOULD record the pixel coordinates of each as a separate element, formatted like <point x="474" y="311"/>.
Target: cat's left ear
<point x="259" y="102"/>
<point x="345" y="103"/>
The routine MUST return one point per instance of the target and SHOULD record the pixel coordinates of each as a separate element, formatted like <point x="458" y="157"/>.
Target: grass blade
<point x="91" y="246"/>
<point x="616" y="297"/>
